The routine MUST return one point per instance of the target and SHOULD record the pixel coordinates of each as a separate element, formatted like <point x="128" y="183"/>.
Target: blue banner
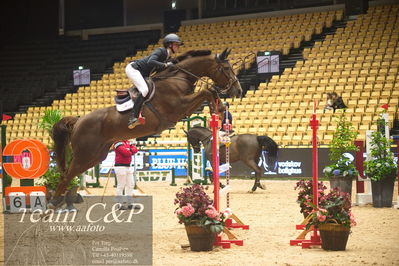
<point x="168" y="161"/>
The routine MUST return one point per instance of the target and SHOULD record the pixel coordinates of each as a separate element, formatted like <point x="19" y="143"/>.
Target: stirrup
<point x="139" y="121"/>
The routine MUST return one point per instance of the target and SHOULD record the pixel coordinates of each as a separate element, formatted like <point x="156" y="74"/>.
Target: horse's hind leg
<point x="83" y="159"/>
<point x="75" y="169"/>
<point x="258" y="175"/>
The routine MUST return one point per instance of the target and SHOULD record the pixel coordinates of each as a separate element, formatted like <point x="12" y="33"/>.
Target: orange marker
<point x="40" y="159"/>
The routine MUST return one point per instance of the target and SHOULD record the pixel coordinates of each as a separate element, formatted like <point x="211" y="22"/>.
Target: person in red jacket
<point x="124" y="172"/>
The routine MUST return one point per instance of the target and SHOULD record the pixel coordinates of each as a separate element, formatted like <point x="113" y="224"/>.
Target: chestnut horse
<point x="247" y="148"/>
<point x="91" y="136"/>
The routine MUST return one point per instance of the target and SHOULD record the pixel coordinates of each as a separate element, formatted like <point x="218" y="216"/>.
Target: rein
<point x="193" y="75"/>
<point x="180" y="78"/>
<point x="231" y="80"/>
<point x="207" y="138"/>
<point x="224" y="90"/>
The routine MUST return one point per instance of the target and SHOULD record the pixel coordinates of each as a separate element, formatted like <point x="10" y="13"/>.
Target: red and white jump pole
<point x="315" y="237"/>
<point x="215" y="159"/>
<point x="229" y="221"/>
<point x="225" y="243"/>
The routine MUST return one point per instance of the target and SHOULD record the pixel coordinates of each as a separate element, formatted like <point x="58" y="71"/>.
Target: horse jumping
<point x="244" y="147"/>
<point x="92" y="135"/>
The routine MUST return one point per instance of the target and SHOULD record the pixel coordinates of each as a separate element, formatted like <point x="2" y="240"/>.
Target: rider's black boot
<point x="136" y="111"/>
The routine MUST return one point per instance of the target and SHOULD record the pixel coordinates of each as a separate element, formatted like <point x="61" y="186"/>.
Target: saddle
<point x="124" y="100"/>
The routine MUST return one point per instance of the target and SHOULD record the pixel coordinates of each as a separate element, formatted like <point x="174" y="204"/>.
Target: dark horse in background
<point x="244" y="147"/>
<point x="92" y="135"/>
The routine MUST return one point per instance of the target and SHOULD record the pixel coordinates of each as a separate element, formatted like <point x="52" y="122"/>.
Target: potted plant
<point x="342" y="170"/>
<point x="305" y="195"/>
<point x="334" y="219"/>
<point x="381" y="168"/>
<point x="202" y="221"/>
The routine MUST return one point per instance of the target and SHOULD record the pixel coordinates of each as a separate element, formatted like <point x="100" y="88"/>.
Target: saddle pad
<point x="123" y="104"/>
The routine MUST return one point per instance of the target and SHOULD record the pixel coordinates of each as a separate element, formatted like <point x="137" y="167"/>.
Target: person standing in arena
<point x="124" y="172"/>
<point x="224" y="117"/>
<point x="140" y="69"/>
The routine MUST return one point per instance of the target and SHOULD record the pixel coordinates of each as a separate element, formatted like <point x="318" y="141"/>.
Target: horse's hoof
<point x="55" y="202"/>
<point x="251" y="191"/>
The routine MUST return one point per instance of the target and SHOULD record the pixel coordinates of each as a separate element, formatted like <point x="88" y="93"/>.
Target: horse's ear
<point x="223" y="55"/>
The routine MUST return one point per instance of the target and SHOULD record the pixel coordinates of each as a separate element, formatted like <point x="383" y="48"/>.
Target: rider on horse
<point x="142" y="68"/>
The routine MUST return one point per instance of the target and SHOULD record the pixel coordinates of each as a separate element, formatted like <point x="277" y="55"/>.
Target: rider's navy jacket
<point x="153" y="62"/>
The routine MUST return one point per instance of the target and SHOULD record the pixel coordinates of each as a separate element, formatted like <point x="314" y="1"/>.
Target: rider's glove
<point x="168" y="64"/>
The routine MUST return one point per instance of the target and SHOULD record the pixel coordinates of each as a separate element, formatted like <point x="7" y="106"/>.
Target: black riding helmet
<point x="171" y="37"/>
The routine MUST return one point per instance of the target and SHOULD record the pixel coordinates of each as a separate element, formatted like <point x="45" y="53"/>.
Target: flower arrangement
<point x="343" y="167"/>
<point x="305" y="194"/>
<point x="342" y="142"/>
<point x="195" y="207"/>
<point x="382" y="164"/>
<point x="334" y="207"/>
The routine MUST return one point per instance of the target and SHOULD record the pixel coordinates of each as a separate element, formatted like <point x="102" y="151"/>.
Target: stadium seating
<point x="360" y="62"/>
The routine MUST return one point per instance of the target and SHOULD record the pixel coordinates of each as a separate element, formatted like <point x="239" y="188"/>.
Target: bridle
<point x="203" y="140"/>
<point x="222" y="69"/>
<point x="231" y="81"/>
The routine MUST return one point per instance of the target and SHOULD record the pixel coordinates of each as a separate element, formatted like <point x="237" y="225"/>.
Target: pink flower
<point x="352" y="218"/>
<point x="187" y="210"/>
<point x="321" y="217"/>
<point x="212" y="213"/>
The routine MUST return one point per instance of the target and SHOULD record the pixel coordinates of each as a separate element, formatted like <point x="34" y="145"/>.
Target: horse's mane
<point x="189" y="54"/>
<point x="182" y="58"/>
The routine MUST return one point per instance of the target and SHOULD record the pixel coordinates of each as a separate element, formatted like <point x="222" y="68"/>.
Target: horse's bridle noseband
<point x="231" y="80"/>
<point x="207" y="138"/>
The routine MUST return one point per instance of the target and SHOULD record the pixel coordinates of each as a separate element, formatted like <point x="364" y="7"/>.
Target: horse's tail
<point x="61" y="136"/>
<point x="269" y="145"/>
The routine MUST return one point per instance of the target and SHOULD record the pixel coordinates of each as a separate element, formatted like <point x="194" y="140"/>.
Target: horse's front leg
<point x="193" y="101"/>
<point x="214" y="97"/>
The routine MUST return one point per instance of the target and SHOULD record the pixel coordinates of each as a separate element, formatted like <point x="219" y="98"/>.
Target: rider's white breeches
<point x="124" y="177"/>
<point x="135" y="76"/>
